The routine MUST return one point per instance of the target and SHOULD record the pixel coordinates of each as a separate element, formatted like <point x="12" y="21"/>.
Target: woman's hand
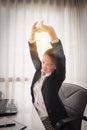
<point x="43" y="28"/>
<point x="50" y="30"/>
<point x="35" y="29"/>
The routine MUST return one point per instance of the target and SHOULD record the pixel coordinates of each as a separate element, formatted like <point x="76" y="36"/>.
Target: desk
<point x="27" y="114"/>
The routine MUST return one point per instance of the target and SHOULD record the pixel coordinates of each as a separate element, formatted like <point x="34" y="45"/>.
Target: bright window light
<point x="43" y="42"/>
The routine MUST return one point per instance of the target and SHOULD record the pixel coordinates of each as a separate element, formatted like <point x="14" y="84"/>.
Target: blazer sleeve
<point x="34" y="55"/>
<point x="60" y="60"/>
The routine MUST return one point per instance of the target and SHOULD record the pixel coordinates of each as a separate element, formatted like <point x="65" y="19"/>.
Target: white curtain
<point x="69" y="18"/>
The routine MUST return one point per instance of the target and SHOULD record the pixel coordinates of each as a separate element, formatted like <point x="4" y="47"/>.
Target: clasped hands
<point x="40" y="28"/>
<point x="43" y="28"/>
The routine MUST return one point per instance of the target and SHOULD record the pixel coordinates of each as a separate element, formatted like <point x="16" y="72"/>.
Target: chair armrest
<point x="67" y="120"/>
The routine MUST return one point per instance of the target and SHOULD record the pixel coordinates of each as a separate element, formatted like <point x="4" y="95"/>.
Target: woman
<point x="49" y="75"/>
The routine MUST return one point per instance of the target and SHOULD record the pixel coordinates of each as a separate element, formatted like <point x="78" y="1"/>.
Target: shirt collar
<point x="45" y="75"/>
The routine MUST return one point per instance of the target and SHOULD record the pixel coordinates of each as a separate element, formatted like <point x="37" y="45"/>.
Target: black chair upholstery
<point x="74" y="99"/>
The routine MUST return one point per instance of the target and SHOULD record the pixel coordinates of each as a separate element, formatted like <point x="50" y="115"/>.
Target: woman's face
<point x="47" y="64"/>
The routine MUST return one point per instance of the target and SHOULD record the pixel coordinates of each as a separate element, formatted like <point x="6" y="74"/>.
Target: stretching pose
<point x="48" y="78"/>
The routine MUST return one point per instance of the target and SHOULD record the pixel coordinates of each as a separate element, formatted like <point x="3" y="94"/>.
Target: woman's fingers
<point x="44" y="27"/>
<point x="34" y="25"/>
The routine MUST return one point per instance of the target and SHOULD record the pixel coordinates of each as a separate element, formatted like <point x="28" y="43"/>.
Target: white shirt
<point x="39" y="102"/>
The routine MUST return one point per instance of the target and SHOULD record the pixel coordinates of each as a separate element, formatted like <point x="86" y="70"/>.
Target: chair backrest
<point x="74" y="98"/>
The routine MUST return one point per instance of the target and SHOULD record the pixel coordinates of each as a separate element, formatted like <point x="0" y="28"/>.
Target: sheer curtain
<point x="69" y="18"/>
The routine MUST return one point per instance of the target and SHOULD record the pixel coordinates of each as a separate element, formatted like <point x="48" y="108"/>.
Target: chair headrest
<point x="74" y="98"/>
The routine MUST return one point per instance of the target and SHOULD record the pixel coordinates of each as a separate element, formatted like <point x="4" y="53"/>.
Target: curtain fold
<point x="69" y="18"/>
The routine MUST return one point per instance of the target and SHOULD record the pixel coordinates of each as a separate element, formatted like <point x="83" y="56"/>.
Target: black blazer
<point x="52" y="83"/>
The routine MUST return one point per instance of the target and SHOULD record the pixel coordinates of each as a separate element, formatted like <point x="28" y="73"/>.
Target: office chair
<point x="74" y="99"/>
